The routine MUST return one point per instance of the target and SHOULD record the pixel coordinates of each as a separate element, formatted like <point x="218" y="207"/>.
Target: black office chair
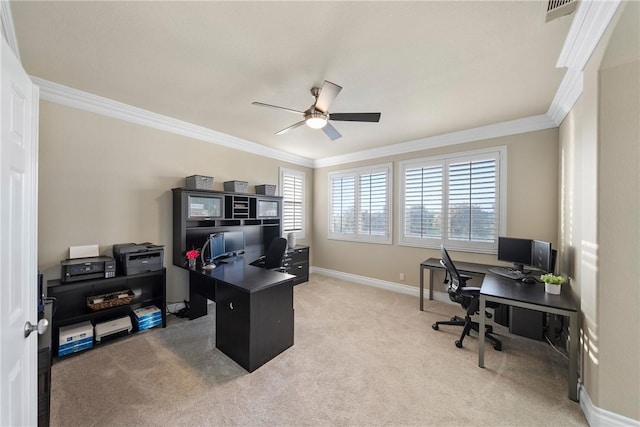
<point x="275" y="254"/>
<point x="468" y="297"/>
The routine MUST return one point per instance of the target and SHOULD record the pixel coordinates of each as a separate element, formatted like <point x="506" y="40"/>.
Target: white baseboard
<point x="382" y="284"/>
<point x="596" y="417"/>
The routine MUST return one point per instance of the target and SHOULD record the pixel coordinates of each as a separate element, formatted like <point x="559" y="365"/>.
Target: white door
<point x="18" y="243"/>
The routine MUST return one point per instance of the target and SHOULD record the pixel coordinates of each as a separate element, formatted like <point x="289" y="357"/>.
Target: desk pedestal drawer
<point x="253" y="328"/>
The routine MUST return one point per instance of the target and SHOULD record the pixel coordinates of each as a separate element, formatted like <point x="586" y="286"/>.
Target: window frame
<point x="500" y="155"/>
<point x="387" y="238"/>
<point x="298" y="175"/>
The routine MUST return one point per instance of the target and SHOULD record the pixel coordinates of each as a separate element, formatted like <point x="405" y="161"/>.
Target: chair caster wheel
<point x="497" y="347"/>
<point x="459" y="344"/>
<point x="454" y="319"/>
<point x="435" y="327"/>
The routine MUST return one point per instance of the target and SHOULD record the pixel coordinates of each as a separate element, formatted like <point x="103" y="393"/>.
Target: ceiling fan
<point x="317" y="116"/>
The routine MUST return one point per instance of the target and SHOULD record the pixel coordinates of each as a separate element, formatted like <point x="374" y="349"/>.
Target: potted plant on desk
<point x="552" y="283"/>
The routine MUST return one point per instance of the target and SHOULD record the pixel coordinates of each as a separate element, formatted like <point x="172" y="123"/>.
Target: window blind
<point x="343" y="203"/>
<point x="360" y="204"/>
<point x="472" y="201"/>
<point x="423" y="202"/>
<point x="373" y="204"/>
<point x="452" y="200"/>
<point x="292" y="188"/>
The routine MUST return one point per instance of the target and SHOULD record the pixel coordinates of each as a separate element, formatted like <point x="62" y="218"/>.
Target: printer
<point x="136" y="258"/>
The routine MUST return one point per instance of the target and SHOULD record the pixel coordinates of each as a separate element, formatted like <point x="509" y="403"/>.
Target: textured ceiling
<point x="429" y="67"/>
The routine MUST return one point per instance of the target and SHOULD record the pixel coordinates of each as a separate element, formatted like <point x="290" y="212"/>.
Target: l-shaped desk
<point x="515" y="293"/>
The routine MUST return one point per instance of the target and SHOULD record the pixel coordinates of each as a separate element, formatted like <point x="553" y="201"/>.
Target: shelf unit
<point x="238" y="211"/>
<point x="71" y="299"/>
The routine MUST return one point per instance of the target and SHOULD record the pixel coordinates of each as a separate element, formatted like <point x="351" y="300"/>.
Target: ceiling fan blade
<point x="262" y="104"/>
<point x="328" y="93"/>
<point x="355" y="117"/>
<point x="287" y="129"/>
<point x="331" y="132"/>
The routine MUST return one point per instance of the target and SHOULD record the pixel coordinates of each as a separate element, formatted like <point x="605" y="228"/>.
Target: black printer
<point x="136" y="258"/>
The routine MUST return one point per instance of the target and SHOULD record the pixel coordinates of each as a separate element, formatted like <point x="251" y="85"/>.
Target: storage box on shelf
<point x="236" y="186"/>
<point x="73" y="299"/>
<point x="266" y="189"/>
<point x="199" y="182"/>
<point x="75" y="338"/>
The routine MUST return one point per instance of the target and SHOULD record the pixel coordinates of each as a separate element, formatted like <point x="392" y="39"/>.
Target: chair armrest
<point x="470" y="290"/>
<point x="465" y="277"/>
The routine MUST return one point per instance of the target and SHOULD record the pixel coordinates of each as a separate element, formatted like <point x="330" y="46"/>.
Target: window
<point x="292" y="191"/>
<point x="455" y="200"/>
<point x="360" y="204"/>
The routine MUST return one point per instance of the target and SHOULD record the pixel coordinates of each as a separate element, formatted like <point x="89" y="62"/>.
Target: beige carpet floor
<point x="362" y="357"/>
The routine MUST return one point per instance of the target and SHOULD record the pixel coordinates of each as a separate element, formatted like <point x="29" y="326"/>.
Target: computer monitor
<point x="233" y="242"/>
<point x="216" y="246"/>
<point x="517" y="251"/>
<point x="542" y="256"/>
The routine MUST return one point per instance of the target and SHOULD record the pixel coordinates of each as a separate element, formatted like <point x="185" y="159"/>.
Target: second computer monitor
<point x="233" y="242"/>
<point x="216" y="246"/>
<point x="542" y="256"/>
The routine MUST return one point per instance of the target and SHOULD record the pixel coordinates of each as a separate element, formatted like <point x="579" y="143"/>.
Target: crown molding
<point x="512" y="127"/>
<point x="568" y="93"/>
<point x="591" y="20"/>
<point x="8" y="30"/>
<point x="74" y="98"/>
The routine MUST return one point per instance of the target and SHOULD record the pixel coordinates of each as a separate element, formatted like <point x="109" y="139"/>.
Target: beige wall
<point x="532" y="196"/>
<point x="600" y="219"/>
<point x="107" y="181"/>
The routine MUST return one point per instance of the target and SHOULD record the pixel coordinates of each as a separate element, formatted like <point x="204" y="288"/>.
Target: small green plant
<point x="551" y="279"/>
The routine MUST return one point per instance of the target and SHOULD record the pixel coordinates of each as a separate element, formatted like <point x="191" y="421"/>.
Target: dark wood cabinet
<point x="254" y="327"/>
<point x="71" y="299"/>
<point x="296" y="262"/>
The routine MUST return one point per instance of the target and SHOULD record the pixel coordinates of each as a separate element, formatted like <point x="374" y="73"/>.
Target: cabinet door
<point x="232" y="323"/>
<point x="201" y="207"/>
<point x="268" y="208"/>
<point x="272" y="320"/>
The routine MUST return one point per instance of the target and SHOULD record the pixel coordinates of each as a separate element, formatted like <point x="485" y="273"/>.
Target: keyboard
<point x="507" y="272"/>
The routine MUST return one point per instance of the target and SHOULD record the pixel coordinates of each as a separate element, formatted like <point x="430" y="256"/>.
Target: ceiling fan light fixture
<point x="316" y="120"/>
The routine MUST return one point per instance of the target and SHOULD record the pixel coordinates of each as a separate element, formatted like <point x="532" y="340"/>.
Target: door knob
<point x="41" y="327"/>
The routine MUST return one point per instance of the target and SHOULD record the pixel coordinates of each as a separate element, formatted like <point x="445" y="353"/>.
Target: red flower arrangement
<point x="193" y="254"/>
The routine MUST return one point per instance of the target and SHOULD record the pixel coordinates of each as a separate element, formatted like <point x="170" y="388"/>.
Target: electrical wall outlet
<point x="401" y="276"/>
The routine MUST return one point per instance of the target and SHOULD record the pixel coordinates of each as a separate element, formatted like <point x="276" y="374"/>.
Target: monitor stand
<point x="519" y="267"/>
<point x="231" y="259"/>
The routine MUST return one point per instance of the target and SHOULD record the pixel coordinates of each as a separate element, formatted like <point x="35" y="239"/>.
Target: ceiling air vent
<point x="559" y="8"/>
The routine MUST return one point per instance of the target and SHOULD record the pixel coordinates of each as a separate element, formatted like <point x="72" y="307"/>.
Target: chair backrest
<point x="275" y="253"/>
<point x="455" y="281"/>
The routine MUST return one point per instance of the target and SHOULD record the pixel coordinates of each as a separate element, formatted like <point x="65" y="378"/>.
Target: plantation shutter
<point x="472" y="200"/>
<point x="292" y="187"/>
<point x="343" y="204"/>
<point x="374" y="213"/>
<point x="423" y="202"/>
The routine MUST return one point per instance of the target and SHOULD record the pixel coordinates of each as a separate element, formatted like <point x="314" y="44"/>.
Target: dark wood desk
<point x="434" y="264"/>
<point x="254" y="310"/>
<point x="532" y="296"/>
